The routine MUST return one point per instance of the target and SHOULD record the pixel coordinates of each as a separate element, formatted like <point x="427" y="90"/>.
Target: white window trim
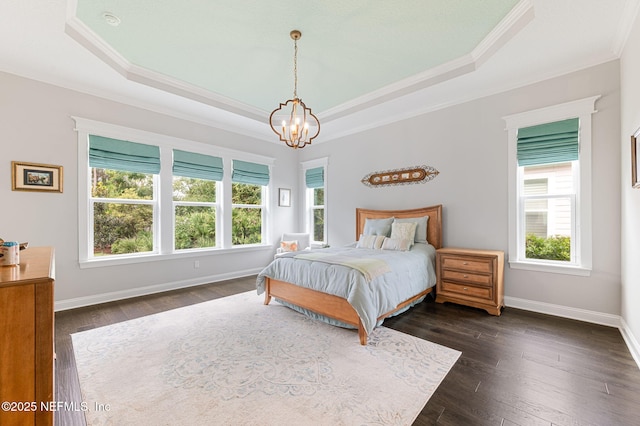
<point x="84" y="127"/>
<point x="308" y="196"/>
<point x="583" y="110"/>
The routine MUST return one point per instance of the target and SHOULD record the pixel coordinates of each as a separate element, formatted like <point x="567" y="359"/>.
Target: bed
<point x="314" y="288"/>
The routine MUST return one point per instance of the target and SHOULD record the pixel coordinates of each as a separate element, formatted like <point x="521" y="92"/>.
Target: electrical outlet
<point x="196" y="264"/>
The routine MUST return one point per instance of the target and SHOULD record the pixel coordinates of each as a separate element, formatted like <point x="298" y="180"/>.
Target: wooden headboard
<point x="434" y="224"/>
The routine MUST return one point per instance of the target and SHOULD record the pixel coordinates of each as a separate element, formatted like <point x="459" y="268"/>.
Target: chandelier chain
<point x="295" y="69"/>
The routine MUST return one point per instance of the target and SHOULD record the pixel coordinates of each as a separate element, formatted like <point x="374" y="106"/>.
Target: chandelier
<point x="294" y="124"/>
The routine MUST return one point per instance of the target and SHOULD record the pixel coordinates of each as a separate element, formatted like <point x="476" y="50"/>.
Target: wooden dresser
<point x="26" y="338"/>
<point x="471" y="277"/>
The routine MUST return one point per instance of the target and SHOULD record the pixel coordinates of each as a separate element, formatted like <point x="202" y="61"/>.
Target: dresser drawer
<point x="469" y="290"/>
<point x="476" y="265"/>
<point x="481" y="279"/>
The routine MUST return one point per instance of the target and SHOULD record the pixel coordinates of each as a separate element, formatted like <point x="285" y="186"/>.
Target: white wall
<point x="467" y="143"/>
<point x="36" y="126"/>
<point x="630" y="122"/>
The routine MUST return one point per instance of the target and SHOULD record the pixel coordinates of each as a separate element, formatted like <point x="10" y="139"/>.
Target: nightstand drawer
<point x="476" y="265"/>
<point x="469" y="290"/>
<point x="481" y="279"/>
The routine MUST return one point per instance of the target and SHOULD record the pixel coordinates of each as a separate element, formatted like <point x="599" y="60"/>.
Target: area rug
<point x="235" y="361"/>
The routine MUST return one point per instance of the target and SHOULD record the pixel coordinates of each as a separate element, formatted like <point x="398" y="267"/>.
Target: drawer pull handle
<point x="466" y="276"/>
<point x="465" y="263"/>
<point x="465" y="289"/>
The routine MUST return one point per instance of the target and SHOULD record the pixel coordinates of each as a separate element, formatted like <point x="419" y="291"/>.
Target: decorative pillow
<point x="400" y="244"/>
<point x="289" y="245"/>
<point x="421" y="229"/>
<point x="370" y="241"/>
<point x="378" y="226"/>
<point x="404" y="230"/>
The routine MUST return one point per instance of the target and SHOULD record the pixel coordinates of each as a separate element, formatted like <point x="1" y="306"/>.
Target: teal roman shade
<point x="314" y="178"/>
<point x="251" y="173"/>
<point x="555" y="142"/>
<point x="197" y="166"/>
<point x="116" y="154"/>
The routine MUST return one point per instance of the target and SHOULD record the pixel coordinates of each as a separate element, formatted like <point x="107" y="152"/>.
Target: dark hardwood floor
<point x="521" y="368"/>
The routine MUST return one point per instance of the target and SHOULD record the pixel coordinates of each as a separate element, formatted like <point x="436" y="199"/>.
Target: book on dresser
<point x="26" y="339"/>
<point x="471" y="277"/>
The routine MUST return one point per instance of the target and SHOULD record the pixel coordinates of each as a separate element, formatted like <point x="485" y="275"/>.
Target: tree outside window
<point x="122" y="205"/>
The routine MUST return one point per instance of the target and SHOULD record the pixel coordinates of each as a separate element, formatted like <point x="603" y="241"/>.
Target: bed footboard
<point x="325" y="304"/>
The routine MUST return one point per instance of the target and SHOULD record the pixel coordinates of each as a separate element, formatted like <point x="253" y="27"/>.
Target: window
<point x="195" y="185"/>
<point x="144" y="196"/>
<point x="550" y="188"/>
<point x="315" y="200"/>
<point x="247" y="192"/>
<point x="123" y="200"/>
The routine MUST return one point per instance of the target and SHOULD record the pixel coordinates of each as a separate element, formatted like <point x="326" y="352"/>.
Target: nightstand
<point x="471" y="277"/>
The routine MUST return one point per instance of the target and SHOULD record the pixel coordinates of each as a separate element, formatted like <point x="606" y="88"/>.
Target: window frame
<point x="164" y="229"/>
<point x="309" y="200"/>
<point x="583" y="109"/>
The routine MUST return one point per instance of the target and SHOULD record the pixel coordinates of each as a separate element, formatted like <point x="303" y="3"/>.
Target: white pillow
<point x="370" y="241"/>
<point x="400" y="244"/>
<point x="404" y="230"/>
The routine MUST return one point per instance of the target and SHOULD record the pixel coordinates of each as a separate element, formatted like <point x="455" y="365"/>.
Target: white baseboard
<point x="631" y="341"/>
<point x="564" y="311"/>
<point x="78" y="302"/>
<point x="581" y="315"/>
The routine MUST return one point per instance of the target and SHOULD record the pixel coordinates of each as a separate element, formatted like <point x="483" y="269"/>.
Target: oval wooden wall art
<point x="406" y="176"/>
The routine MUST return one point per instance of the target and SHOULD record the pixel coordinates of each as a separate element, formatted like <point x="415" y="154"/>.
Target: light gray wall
<point x="36" y="126"/>
<point x="630" y="84"/>
<point x="467" y="143"/>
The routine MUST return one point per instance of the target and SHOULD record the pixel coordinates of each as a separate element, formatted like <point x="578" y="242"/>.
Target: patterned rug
<point x="235" y="361"/>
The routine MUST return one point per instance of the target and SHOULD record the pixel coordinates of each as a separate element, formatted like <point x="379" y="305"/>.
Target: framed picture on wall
<point x="635" y="157"/>
<point x="284" y="197"/>
<point x="36" y="177"/>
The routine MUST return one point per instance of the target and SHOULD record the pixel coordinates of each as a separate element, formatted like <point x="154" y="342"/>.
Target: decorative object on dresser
<point x="26" y="339"/>
<point x="471" y="277"/>
<point x="406" y="176"/>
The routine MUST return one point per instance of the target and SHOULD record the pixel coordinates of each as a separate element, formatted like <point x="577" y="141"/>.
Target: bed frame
<point x="337" y="307"/>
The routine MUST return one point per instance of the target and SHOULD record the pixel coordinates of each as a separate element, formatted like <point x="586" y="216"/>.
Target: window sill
<point x="551" y="268"/>
<point x="153" y="257"/>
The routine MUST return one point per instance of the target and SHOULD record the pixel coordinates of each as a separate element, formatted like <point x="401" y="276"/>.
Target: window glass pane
<point x="536" y="186"/>
<point x="549" y="178"/>
<point x="190" y="189"/>
<point x="107" y="183"/>
<point x="318" y="224"/>
<point x="195" y="227"/>
<point x="318" y="196"/>
<point x="122" y="228"/>
<point x="243" y="193"/>
<point x="548" y="230"/>
<point x="247" y="226"/>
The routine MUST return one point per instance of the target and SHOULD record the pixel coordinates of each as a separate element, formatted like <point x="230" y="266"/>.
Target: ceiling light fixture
<point x="111" y="19"/>
<point x="298" y="126"/>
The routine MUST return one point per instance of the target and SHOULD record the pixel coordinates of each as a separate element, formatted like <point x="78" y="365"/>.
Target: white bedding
<point x="411" y="272"/>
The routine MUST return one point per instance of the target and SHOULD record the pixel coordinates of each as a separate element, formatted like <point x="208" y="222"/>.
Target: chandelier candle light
<point x="296" y="122"/>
